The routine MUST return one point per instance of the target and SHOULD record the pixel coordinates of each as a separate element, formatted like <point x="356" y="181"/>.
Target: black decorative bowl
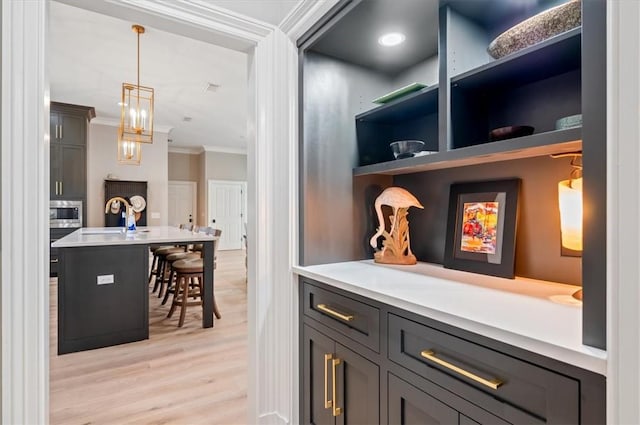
<point x="510" y="132"/>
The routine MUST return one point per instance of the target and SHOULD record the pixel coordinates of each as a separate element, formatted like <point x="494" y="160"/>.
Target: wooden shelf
<point x="552" y="142"/>
<point x="554" y="56"/>
<point x="423" y="102"/>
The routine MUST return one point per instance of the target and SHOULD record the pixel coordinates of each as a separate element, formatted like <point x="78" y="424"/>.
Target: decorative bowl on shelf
<point x="403" y="91"/>
<point x="406" y="148"/>
<point x="538" y="28"/>
<point x="510" y="132"/>
<point x="569" y="122"/>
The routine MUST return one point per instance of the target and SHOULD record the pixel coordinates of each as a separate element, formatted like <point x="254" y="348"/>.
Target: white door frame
<point x="272" y="159"/>
<point x="194" y="186"/>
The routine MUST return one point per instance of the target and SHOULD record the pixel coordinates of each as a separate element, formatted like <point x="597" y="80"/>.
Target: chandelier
<point x="136" y="115"/>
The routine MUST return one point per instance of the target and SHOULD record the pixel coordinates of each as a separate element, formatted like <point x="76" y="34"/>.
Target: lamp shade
<point x="136" y="114"/>
<point x="129" y="152"/>
<point x="570" y="202"/>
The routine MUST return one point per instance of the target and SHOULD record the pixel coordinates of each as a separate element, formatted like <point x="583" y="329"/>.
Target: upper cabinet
<point x="68" y="135"/>
<point x="552" y="91"/>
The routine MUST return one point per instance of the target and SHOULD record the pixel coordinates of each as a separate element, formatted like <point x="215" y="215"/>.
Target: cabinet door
<point x="358" y="389"/>
<point x="54" y="171"/>
<point x="53" y="126"/>
<point x="409" y="405"/>
<point x="73" y="172"/>
<point x="317" y="379"/>
<point x="72" y="129"/>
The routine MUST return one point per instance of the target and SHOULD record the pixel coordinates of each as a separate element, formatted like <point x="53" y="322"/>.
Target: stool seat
<point x="182" y="256"/>
<point x="189" y="266"/>
<point x="169" y="250"/>
<point x="154" y="248"/>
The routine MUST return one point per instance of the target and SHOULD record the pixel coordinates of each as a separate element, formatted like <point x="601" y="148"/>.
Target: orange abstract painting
<point x="479" y="227"/>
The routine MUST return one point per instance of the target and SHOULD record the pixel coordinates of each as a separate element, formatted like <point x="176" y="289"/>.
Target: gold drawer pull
<point x="345" y="317"/>
<point x="431" y="355"/>
<point x="327" y="403"/>
<point x="337" y="411"/>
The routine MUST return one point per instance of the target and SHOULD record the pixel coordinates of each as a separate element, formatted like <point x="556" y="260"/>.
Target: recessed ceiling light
<point x="211" y="87"/>
<point x="391" y="39"/>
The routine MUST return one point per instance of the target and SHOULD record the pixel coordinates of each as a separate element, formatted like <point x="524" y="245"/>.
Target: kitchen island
<point x="103" y="296"/>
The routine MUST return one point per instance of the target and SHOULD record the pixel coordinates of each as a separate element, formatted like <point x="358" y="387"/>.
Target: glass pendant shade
<point x="136" y="114"/>
<point x="570" y="201"/>
<point x="129" y="152"/>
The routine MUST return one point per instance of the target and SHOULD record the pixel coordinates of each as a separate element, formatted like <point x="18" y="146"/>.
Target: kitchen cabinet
<point x="423" y="371"/>
<point x="346" y="162"/>
<point x="341" y="386"/>
<point x="68" y="158"/>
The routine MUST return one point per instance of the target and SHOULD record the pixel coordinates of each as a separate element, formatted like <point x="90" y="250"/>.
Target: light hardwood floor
<point x="189" y="375"/>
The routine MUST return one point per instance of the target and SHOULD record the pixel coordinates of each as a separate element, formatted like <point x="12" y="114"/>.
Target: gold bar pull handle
<point x="332" y="312"/>
<point x="491" y="383"/>
<point x="337" y="411"/>
<point x="327" y="403"/>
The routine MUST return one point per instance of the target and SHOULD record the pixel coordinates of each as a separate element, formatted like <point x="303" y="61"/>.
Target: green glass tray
<point x="399" y="93"/>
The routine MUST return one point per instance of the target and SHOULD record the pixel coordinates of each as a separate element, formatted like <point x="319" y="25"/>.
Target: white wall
<point x="102" y="160"/>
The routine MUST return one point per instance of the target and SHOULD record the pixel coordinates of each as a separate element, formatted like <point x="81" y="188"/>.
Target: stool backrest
<point x="186" y="226"/>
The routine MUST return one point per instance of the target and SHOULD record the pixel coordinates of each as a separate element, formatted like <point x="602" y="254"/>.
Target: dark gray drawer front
<point x="359" y="321"/>
<point x="527" y="393"/>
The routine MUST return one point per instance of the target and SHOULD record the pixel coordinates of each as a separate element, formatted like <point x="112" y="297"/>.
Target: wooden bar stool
<point x="186" y="271"/>
<point x="170" y="259"/>
<point x="159" y="266"/>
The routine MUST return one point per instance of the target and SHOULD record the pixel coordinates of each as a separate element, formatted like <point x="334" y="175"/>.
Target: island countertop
<point x="537" y="316"/>
<point x="101" y="236"/>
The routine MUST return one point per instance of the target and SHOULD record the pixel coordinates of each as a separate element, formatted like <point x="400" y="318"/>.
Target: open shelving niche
<point x="454" y="118"/>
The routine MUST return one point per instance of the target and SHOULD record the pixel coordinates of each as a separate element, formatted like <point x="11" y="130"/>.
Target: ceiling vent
<point x="186" y="119"/>
<point x="211" y="87"/>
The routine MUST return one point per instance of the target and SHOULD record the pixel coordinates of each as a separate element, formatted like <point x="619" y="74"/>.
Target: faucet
<point x="124" y="201"/>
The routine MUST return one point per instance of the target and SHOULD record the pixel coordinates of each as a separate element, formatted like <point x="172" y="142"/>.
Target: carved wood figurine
<point x="395" y="246"/>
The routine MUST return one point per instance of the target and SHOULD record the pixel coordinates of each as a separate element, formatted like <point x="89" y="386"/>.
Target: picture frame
<point x="482" y="226"/>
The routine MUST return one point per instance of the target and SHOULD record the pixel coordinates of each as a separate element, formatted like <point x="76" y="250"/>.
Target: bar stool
<point x="158" y="265"/>
<point x="170" y="259"/>
<point x="185" y="272"/>
<point x="197" y="250"/>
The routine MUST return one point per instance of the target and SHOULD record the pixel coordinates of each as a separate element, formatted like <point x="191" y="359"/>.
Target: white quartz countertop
<point x="537" y="316"/>
<point x="100" y="236"/>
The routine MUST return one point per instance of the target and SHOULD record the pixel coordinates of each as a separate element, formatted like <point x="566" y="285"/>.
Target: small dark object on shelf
<point x="510" y="132"/>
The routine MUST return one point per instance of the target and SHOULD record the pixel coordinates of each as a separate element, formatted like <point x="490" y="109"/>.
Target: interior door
<point x="226" y="212"/>
<point x="182" y="202"/>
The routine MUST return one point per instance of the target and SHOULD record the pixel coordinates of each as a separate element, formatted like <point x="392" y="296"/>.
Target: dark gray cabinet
<point x="68" y="161"/>
<point x="340" y="386"/>
<point x="420" y="371"/>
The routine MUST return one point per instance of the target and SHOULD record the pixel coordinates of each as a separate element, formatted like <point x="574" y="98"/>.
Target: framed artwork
<point x="481" y="227"/>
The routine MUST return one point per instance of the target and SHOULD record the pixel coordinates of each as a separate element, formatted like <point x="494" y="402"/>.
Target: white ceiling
<point x="90" y="55"/>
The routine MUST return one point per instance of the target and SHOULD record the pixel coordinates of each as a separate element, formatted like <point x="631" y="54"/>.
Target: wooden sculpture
<point x="395" y="247"/>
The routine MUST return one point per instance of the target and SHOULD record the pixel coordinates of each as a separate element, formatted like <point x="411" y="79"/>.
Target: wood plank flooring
<point x="189" y="375"/>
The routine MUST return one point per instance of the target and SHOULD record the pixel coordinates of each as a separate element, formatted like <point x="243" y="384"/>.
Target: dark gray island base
<point x="103" y="295"/>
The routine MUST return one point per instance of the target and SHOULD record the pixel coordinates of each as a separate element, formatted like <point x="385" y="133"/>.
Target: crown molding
<point x="185" y="150"/>
<point x="303" y="16"/>
<point x="112" y="122"/>
<point x="224" y="149"/>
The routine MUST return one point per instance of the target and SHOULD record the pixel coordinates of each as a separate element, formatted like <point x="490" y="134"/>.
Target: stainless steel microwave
<point x="65" y="214"/>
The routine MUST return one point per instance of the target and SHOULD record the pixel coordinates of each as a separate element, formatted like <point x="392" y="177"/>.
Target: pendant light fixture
<point x="129" y="153"/>
<point x="136" y="112"/>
